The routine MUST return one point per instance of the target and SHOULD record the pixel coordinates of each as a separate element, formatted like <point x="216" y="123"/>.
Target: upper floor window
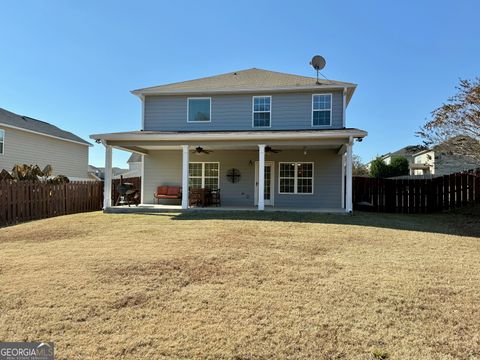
<point x="321" y="109"/>
<point x="261" y="111"/>
<point x="2" y="141"/>
<point x="199" y="109"/>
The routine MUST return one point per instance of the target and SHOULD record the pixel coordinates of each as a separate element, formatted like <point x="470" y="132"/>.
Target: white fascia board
<point x="141" y="92"/>
<point x="333" y="134"/>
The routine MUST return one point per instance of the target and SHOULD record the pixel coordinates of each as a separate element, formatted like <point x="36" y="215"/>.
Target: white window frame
<point x="203" y="171"/>
<point x="330" y="110"/>
<point x="188" y="110"/>
<point x="295" y="181"/>
<point x="253" y="111"/>
<point x="2" y="141"/>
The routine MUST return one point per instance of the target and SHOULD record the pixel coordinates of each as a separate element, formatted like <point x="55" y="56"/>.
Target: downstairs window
<point x="203" y="175"/>
<point x="296" y="178"/>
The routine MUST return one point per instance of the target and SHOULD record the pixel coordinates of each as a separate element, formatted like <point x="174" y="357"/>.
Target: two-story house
<point x="283" y="136"/>
<point x="24" y="140"/>
<point x="438" y="162"/>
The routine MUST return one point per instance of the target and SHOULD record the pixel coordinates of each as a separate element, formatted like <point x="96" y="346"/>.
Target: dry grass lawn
<point x="244" y="286"/>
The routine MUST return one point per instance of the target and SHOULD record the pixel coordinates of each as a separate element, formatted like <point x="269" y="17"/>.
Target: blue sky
<point x="74" y="63"/>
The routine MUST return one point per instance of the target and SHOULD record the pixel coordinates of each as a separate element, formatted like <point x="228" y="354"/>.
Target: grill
<point x="128" y="194"/>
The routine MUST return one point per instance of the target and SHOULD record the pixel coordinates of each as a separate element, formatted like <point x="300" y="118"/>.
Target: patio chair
<point x="215" y="197"/>
<point x="196" y="197"/>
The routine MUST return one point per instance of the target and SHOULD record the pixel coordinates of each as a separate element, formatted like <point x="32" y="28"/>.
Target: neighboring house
<point x="407" y="152"/>
<point x="134" y="167"/>
<point x="98" y="173"/>
<point x="438" y="163"/>
<point x="424" y="161"/>
<point x="95" y="173"/>
<point x="24" y="140"/>
<point x="285" y="136"/>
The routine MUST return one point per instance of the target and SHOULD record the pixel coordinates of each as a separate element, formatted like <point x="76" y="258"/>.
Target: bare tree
<point x="358" y="167"/>
<point x="455" y="126"/>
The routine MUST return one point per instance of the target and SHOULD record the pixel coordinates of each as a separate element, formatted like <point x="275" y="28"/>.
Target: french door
<point x="269" y="182"/>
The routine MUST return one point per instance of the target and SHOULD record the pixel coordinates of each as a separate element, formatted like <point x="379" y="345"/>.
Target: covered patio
<point x="162" y="208"/>
<point x="305" y="170"/>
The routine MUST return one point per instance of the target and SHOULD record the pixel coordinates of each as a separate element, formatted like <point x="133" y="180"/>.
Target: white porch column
<point x="142" y="174"/>
<point x="185" y="161"/>
<point x="261" y="177"/>
<point x="349" y="165"/>
<point x="107" y="184"/>
<point x="343" y="180"/>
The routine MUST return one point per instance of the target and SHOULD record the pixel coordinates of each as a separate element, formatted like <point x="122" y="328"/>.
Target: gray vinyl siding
<point x="449" y="164"/>
<point x="22" y="147"/>
<point x="289" y="111"/>
<point x="165" y="168"/>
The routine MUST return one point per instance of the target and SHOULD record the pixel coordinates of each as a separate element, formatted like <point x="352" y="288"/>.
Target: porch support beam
<point x="134" y="149"/>
<point x="185" y="161"/>
<point x="227" y="144"/>
<point x="342" y="150"/>
<point x="107" y="186"/>
<point x="348" y="175"/>
<point x="261" y="177"/>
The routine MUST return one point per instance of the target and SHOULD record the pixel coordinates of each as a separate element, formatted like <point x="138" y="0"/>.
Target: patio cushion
<point x="173" y="191"/>
<point x="162" y="190"/>
<point x="169" y="196"/>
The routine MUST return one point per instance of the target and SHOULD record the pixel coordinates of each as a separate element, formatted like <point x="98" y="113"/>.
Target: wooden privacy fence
<point x="417" y="195"/>
<point x="28" y="200"/>
<point x="136" y="181"/>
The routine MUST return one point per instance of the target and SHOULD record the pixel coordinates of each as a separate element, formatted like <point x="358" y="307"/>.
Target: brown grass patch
<point x="244" y="286"/>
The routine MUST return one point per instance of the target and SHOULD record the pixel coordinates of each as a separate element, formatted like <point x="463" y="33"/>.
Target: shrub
<point x="378" y="168"/>
<point x="398" y="166"/>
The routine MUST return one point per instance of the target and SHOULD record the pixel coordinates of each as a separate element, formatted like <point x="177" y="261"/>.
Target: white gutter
<point x="47" y="135"/>
<point x="142" y="98"/>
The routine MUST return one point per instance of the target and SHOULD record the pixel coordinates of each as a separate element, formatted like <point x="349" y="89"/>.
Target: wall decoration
<point x="233" y="175"/>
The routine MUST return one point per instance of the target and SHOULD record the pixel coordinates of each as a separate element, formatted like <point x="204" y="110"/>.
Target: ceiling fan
<point x="199" y="150"/>
<point x="268" y="149"/>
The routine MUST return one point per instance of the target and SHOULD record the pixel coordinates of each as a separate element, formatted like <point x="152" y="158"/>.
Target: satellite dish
<point x="318" y="62"/>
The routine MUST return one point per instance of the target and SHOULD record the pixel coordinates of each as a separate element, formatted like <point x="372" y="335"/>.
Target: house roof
<point x="246" y="81"/>
<point x="408" y="150"/>
<point x="93" y="169"/>
<point x="29" y="124"/>
<point x="100" y="171"/>
<point x="134" y="158"/>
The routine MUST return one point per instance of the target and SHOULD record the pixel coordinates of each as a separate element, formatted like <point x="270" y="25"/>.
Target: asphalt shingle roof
<point x="243" y="79"/>
<point x="28" y="123"/>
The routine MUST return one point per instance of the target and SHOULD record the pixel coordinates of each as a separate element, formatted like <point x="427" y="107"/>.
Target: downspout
<point x="142" y="98"/>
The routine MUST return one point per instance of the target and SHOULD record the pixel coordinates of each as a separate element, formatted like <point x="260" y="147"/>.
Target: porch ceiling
<point x="145" y="148"/>
<point x="210" y="146"/>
